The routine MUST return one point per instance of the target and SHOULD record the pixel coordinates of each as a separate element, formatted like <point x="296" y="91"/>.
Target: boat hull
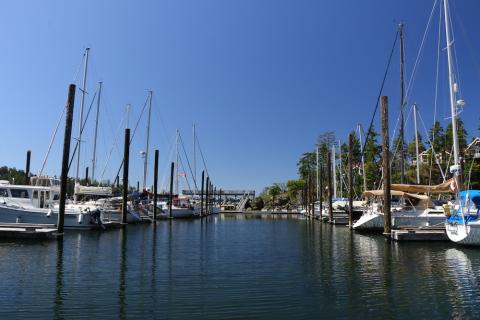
<point x="45" y="216"/>
<point x="376" y="221"/>
<point x="467" y="234"/>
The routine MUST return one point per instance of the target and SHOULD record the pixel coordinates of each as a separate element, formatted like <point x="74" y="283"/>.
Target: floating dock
<point x="28" y="231"/>
<point x="420" y="234"/>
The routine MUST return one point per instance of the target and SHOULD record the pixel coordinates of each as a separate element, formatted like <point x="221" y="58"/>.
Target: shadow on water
<point x="122" y="274"/>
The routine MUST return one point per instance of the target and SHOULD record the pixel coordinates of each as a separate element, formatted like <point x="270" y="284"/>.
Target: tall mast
<point x="340" y="167"/>
<point x="145" y="160"/>
<point x="194" y="157"/>
<point x="334" y="171"/>
<point x="455" y="169"/>
<point x="82" y="101"/>
<point x="416" y="141"/>
<point x="318" y="188"/>
<point x="94" y="158"/>
<point x="402" y="108"/>
<point x="360" y="134"/>
<point x="176" y="164"/>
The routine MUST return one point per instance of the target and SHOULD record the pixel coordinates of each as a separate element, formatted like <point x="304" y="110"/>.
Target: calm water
<point x="235" y="268"/>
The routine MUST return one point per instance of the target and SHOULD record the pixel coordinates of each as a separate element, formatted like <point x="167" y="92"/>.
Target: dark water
<point x="235" y="268"/>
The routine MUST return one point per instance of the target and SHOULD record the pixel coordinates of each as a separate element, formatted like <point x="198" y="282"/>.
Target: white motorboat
<point x="38" y="204"/>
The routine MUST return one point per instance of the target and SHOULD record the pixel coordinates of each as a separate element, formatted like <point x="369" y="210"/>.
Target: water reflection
<point x="122" y="274"/>
<point x="58" y="300"/>
<point x="219" y="267"/>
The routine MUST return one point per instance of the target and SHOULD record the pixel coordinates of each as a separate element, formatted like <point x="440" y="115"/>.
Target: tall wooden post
<point x="86" y="176"/>
<point x="350" y="180"/>
<point x="207" y="194"/>
<point x="155" y="186"/>
<point x="118" y="182"/>
<point x="66" y="155"/>
<point x="27" y="168"/>
<point x="202" y="212"/>
<point x="126" y="159"/>
<point x="330" y="191"/>
<point x="386" y="169"/>
<point x="170" y="202"/>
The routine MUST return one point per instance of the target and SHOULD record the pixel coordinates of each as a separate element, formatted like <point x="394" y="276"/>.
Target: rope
<point x="81" y="130"/>
<point x="436" y="85"/>
<point x="431" y="145"/>
<point x="201" y="153"/>
<point x="367" y="136"/>
<point x="420" y="50"/>
<point x="188" y="162"/>
<point x="133" y="134"/>
<point x="51" y="141"/>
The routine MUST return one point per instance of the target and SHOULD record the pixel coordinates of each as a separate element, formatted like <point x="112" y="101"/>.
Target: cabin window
<point x="47" y="195"/>
<point x="3" y="193"/>
<point x="19" y="193"/>
<point x="35" y="194"/>
<point x="56" y="197"/>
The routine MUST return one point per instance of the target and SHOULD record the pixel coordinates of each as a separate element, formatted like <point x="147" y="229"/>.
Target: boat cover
<point x="414" y="188"/>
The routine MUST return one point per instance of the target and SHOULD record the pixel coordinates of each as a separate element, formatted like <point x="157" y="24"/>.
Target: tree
<point x="372" y="156"/>
<point x="294" y="187"/>
<point x="274" y="191"/>
<point x="461" y="134"/>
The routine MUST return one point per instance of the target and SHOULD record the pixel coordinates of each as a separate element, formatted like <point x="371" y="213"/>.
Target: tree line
<point x="435" y="158"/>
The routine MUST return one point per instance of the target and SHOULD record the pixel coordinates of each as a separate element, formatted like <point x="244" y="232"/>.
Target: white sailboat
<point x="463" y="225"/>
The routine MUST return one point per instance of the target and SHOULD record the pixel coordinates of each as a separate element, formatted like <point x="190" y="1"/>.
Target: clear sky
<point x="260" y="78"/>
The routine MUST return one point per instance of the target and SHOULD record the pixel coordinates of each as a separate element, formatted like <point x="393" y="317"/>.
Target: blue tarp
<point x="474" y="197"/>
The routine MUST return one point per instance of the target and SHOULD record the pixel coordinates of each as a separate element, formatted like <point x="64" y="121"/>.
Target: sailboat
<point x="463" y="225"/>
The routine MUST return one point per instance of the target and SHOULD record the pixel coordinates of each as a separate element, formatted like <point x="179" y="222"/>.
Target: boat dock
<point x="435" y="233"/>
<point x="28" y="231"/>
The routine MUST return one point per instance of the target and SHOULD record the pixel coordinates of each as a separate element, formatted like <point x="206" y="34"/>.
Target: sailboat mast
<point x="360" y="134"/>
<point x="145" y="160"/>
<point x="402" y="107"/>
<point x="334" y="171"/>
<point x="94" y="158"/>
<point x="416" y="141"/>
<point x="82" y="102"/>
<point x="176" y="164"/>
<point x="340" y="167"/>
<point x="456" y="165"/>
<point x="194" y="157"/>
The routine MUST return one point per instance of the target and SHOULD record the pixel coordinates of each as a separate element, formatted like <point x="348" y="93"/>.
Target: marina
<point x="194" y="269"/>
<point x="233" y="160"/>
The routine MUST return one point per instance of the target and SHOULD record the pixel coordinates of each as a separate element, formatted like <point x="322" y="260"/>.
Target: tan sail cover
<point x="414" y="188"/>
<point x="97" y="191"/>
<point x="417" y="200"/>
<point x="376" y="193"/>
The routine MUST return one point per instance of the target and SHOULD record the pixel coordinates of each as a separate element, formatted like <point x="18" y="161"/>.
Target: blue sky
<point x="260" y="78"/>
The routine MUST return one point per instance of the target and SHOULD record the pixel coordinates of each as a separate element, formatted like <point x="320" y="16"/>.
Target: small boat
<point x="411" y="210"/>
<point x="38" y="204"/>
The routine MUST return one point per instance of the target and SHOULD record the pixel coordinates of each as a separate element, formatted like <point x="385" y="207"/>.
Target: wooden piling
<point x="155" y="186"/>
<point x="350" y="181"/>
<point x="65" y="159"/>
<point x="329" y="182"/>
<point x="202" y="212"/>
<point x="27" y="168"/>
<point x="86" y="176"/>
<point x="126" y="159"/>
<point x="386" y="169"/>
<point x="207" y="194"/>
<point x="170" y="201"/>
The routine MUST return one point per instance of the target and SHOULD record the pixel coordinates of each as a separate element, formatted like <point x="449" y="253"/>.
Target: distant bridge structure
<point x="228" y="193"/>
